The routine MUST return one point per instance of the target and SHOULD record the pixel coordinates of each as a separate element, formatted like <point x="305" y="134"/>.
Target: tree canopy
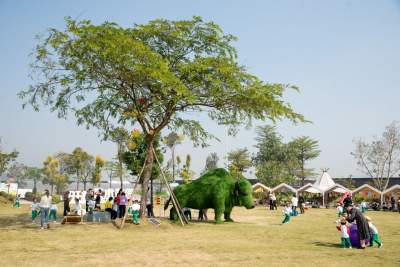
<point x="152" y="75"/>
<point x="239" y="161"/>
<point x="277" y="161"/>
<point x="6" y="159"/>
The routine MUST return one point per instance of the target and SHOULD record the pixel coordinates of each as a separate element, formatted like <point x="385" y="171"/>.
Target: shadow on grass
<point x="327" y="244"/>
<point x="18" y="220"/>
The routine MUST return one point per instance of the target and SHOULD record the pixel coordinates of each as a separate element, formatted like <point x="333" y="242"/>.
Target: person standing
<point x="135" y="212"/>
<point x="17" y="202"/>
<point x="273" y="197"/>
<point x="398" y="204"/>
<point x="301" y="204"/>
<point x="66" y="200"/>
<point x="344" y="230"/>
<point x="34" y="207"/>
<point x="44" y="205"/>
<point x="347" y="201"/>
<point x="98" y="200"/>
<point x="287" y="211"/>
<point x="53" y="212"/>
<point x="363" y="206"/>
<point x="122" y="204"/>
<point x="362" y="224"/>
<point x="88" y="196"/>
<point x="149" y="208"/>
<point x="374" y="233"/>
<point x="294" y="204"/>
<point x="392" y="204"/>
<point x="271" y="207"/>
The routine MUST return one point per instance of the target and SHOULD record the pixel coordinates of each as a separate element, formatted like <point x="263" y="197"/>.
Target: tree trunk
<point x="51" y="188"/>
<point x="173" y="163"/>
<point x="120" y="175"/>
<point x="34" y="190"/>
<point x="84" y="185"/>
<point x="147" y="174"/>
<point x="78" y="178"/>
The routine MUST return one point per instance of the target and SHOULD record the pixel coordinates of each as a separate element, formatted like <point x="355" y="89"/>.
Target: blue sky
<point x="344" y="56"/>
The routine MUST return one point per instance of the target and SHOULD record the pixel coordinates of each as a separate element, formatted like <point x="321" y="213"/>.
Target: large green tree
<point x="6" y="159"/>
<point x="81" y="165"/>
<point x="151" y="75"/>
<point x="273" y="160"/>
<point x="51" y="170"/>
<point x="36" y="175"/>
<point x="239" y="161"/>
<point x="301" y="150"/>
<point x="120" y="136"/>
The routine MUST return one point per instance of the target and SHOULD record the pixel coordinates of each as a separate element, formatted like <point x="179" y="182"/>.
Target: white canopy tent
<point x="326" y="184"/>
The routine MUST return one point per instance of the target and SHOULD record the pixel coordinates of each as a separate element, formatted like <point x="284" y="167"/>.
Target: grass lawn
<point x="256" y="239"/>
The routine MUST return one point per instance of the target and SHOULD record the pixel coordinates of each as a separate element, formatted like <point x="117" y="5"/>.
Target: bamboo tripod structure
<point x="183" y="220"/>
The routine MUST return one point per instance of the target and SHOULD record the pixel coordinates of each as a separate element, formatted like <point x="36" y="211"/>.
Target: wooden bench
<point x="72" y="219"/>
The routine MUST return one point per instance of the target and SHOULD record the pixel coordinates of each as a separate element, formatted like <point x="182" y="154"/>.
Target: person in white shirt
<point x="91" y="205"/>
<point x="374" y="233"/>
<point x="344" y="230"/>
<point x="44" y="205"/>
<point x="287" y="211"/>
<point x="339" y="210"/>
<point x="135" y="211"/>
<point x="78" y="209"/>
<point x="363" y="205"/>
<point x="34" y="207"/>
<point x="294" y="203"/>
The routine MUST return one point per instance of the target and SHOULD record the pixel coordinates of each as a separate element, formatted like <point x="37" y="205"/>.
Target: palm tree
<point x="171" y="140"/>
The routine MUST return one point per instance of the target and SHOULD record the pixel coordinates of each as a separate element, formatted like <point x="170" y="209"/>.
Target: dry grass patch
<point x="256" y="239"/>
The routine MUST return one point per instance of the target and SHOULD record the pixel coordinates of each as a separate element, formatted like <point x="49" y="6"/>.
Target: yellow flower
<point x="135" y="133"/>
<point x="132" y="145"/>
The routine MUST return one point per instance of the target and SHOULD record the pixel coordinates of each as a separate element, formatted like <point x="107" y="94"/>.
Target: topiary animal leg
<point x="218" y="214"/>
<point x="227" y="216"/>
<point x="219" y="210"/>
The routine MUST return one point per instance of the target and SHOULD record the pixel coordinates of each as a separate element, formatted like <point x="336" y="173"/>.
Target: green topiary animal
<point x="217" y="190"/>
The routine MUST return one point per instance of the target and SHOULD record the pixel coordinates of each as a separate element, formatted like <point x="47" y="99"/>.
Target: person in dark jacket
<point x="362" y="224"/>
<point x="347" y="201"/>
<point x="392" y="204"/>
<point x="66" y="203"/>
<point x="301" y="203"/>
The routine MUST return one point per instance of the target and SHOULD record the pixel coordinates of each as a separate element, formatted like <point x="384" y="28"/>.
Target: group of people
<point x="46" y="208"/>
<point x="367" y="231"/>
<point x="115" y="206"/>
<point x="290" y="208"/>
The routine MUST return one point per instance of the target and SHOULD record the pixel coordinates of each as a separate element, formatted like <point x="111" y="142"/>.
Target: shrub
<point x="357" y="198"/>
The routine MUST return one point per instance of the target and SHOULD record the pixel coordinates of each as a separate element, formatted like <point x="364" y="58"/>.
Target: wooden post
<point x="175" y="202"/>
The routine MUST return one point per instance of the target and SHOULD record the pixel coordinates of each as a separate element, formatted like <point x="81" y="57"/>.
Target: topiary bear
<point x="217" y="190"/>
